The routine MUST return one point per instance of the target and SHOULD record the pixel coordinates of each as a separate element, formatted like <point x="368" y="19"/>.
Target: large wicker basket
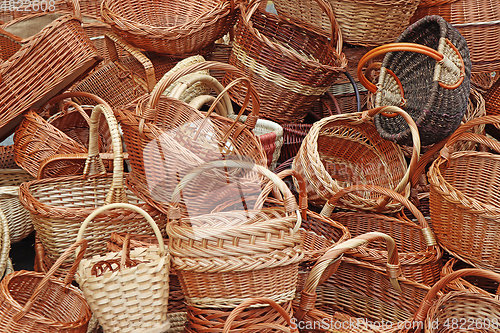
<point x="290" y="67"/>
<point x="175" y="28"/>
<point x="366" y="22"/>
<point x="59" y="205"/>
<point x="225" y="258"/>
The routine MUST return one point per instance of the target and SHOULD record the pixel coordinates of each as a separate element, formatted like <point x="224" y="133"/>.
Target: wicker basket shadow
<point x="427" y="73"/>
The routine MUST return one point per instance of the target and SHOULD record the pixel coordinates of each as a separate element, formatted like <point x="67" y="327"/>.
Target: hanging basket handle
<point x="428" y="301"/>
<point x="427" y="232"/>
<point x="308" y="295"/>
<point x="259" y="301"/>
<point x="327" y="9"/>
<point x="290" y="204"/>
<point x="121" y="205"/>
<point x="149" y="113"/>
<point x="67" y="280"/>
<point x="73" y="94"/>
<point x="408" y="47"/>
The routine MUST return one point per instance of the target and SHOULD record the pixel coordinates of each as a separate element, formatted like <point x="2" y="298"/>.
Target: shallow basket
<point x="259" y="259"/>
<point x="289" y="66"/>
<point x="426" y="72"/>
<point x="175" y="28"/>
<point x="464" y="198"/>
<point x="366" y="22"/>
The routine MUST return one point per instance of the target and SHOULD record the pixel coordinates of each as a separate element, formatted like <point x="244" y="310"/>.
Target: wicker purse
<point x="366" y="22"/>
<point x="66" y="132"/>
<point x="289" y="76"/>
<point x="174" y="28"/>
<point x="346" y="149"/>
<point x="72" y="198"/>
<point x="463" y="199"/>
<point x="128" y="290"/>
<point x="36" y="302"/>
<point x="434" y="92"/>
<point x="161" y="137"/>
<point x="48" y="62"/>
<point x="225" y="258"/>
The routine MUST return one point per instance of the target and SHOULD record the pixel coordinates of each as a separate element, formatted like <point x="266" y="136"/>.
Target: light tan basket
<point x="128" y="297"/>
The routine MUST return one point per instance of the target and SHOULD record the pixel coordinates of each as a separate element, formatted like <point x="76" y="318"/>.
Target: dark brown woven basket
<point x="289" y="66"/>
<point x="7" y="157"/>
<point x="427" y="73"/>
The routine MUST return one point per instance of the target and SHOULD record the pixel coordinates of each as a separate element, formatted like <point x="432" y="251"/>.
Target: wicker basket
<point x="73" y="198"/>
<point x="492" y="100"/>
<point x="225" y="258"/>
<point x="159" y="132"/>
<point x="50" y="60"/>
<point x="484" y="81"/>
<point x="67" y="132"/>
<point x="344" y="150"/>
<point x="19" y="220"/>
<point x="128" y="290"/>
<point x="289" y="76"/>
<point x="37" y="302"/>
<point x="174" y="28"/>
<point x="478" y="22"/>
<point x="7" y="157"/>
<point x="464" y="198"/>
<point x="4" y="246"/>
<point x="367" y="22"/>
<point x="420" y="256"/>
<point x="474" y="284"/>
<point x="436" y="89"/>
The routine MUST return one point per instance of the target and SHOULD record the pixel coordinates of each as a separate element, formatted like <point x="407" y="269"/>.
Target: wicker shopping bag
<point x="59" y="205"/>
<point x="174" y="28"/>
<point x="65" y="132"/>
<point x="36" y="302"/>
<point x="343" y="150"/>
<point x="427" y="73"/>
<point x="464" y="198"/>
<point x="50" y="60"/>
<point x="366" y="22"/>
<point x="127" y="290"/>
<point x="167" y="138"/>
<point x="224" y="258"/>
<point x="289" y="66"/>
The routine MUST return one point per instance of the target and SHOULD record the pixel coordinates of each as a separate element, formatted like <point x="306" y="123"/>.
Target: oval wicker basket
<point x="174" y="28"/>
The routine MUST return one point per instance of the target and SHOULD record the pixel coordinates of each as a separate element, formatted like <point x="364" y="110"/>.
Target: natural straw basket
<point x="224" y="258"/>
<point x="420" y="256"/>
<point x="18" y="217"/>
<point x="36" y="302"/>
<point x="290" y="67"/>
<point x="427" y="73"/>
<point x="50" y="60"/>
<point x="366" y="22"/>
<point x="127" y="296"/>
<point x="159" y="132"/>
<point x="464" y="198"/>
<point x="306" y="309"/>
<point x="67" y="132"/>
<point x="478" y="22"/>
<point x="344" y="150"/>
<point x="175" y="28"/>
<point x="59" y="205"/>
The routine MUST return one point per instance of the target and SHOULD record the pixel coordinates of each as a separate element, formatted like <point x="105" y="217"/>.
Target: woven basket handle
<point x="75" y="4"/>
<point x="259" y="301"/>
<point x="121" y="205"/>
<point x="427" y="232"/>
<point x="112" y="41"/>
<point x="46" y="279"/>
<point x="421" y="313"/>
<point x="271" y="187"/>
<point x="317" y="274"/>
<point x="409" y="47"/>
<point x="46" y="164"/>
<point x="74" y="94"/>
<point x="416" y="145"/>
<point x="325" y="6"/>
<point x="201" y="100"/>
<point x="190" y="79"/>
<point x="4" y="256"/>
<point x="462" y="134"/>
<point x="149" y="113"/>
<point x="289" y="201"/>
<point x="425" y="159"/>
